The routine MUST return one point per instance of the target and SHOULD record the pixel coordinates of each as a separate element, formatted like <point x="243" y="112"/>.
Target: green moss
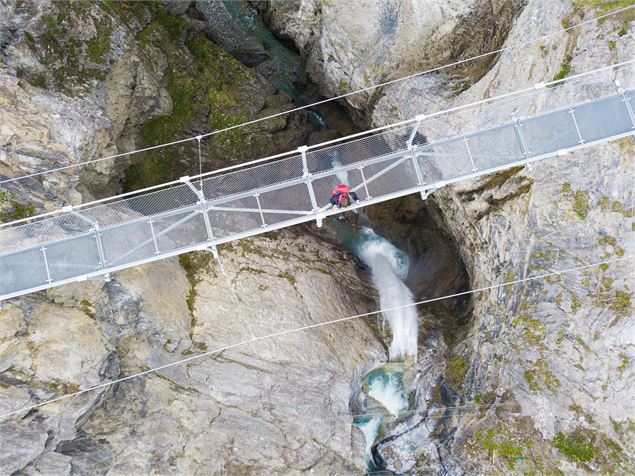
<point x="582" y="344"/>
<point x="126" y="11"/>
<point x="575" y="447"/>
<point x="504" y="443"/>
<point x="622" y="301"/>
<point x="612" y="45"/>
<point x="607" y="240"/>
<point x="624" y="363"/>
<point x="191" y="267"/>
<point x="622" y="31"/>
<point x="566" y="187"/>
<point x="11" y="209"/>
<point x="72" y="64"/>
<point x="456" y="369"/>
<point x="606" y="6"/>
<point x="288" y="277"/>
<point x="540" y="373"/>
<point x="581" y="204"/>
<point x="606" y="282"/>
<point x="585" y="446"/>
<point x="213" y="89"/>
<point x="565" y="68"/>
<point x="52" y="24"/>
<point x="87" y="307"/>
<point x="533" y="331"/>
<point x="604" y="267"/>
<point x="604" y="203"/>
<point x="98" y="47"/>
<point x="343" y="86"/>
<point x="575" y="303"/>
<point x="530" y="378"/>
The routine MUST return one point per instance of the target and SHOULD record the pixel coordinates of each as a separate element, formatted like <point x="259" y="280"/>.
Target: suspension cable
<point x="305" y="328"/>
<point x="501" y="97"/>
<point x="324" y="101"/>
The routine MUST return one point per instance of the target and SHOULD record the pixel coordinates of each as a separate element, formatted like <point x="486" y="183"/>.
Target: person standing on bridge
<point x="342" y="197"/>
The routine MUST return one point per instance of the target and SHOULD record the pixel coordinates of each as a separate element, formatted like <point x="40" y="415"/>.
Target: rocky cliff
<point x="82" y="80"/>
<point x="532" y="377"/>
<point x="554" y="356"/>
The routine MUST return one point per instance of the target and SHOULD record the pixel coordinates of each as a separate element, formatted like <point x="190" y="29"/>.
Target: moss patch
<point x="581" y="204"/>
<point x="503" y="442"/>
<point x="456" y="369"/>
<point x="12" y="209"/>
<point x="209" y="92"/>
<point x="540" y="374"/>
<point x="586" y="446"/>
<point x="72" y="64"/>
<point x="565" y="68"/>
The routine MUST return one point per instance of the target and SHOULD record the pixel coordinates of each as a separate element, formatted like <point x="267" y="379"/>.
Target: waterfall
<point x="389" y="266"/>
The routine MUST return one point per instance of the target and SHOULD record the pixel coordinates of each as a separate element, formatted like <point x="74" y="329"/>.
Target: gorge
<point x="532" y="377"/>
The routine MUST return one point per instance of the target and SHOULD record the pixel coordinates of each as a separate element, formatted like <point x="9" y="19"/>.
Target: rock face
<point x="352" y="45"/>
<point x="555" y="355"/>
<point x="554" y="352"/>
<point x="75" y="86"/>
<point x="278" y="405"/>
<point x="538" y="380"/>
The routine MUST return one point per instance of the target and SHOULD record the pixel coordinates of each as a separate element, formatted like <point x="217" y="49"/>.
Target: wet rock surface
<point x="278" y="405"/>
<point x="528" y="377"/>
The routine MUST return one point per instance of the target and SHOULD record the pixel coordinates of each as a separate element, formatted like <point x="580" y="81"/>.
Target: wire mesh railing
<point x="416" y="156"/>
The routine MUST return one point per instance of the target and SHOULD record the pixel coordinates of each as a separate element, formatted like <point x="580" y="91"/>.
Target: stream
<point x="408" y="256"/>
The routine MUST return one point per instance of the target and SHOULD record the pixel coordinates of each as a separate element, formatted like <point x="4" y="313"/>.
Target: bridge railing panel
<point x="444" y="161"/>
<point x="552" y="131"/>
<point x="358" y="150"/>
<point x="24" y="269"/>
<point x="226" y="222"/>
<point x="176" y="232"/>
<point x="73" y="257"/>
<point x="128" y="242"/>
<point x="603" y="118"/>
<point x="496" y="147"/>
<point x="390" y="176"/>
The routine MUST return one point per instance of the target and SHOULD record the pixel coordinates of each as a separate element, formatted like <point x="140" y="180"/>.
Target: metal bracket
<point x="211" y="248"/>
<point x="199" y="193"/>
<point x="425" y="193"/>
<point x="418" y="120"/>
<point x="307" y="176"/>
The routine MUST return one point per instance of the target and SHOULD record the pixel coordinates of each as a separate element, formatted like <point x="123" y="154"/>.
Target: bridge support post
<point x="420" y="182"/>
<point x="627" y="103"/>
<point x="97" y="236"/>
<point x="203" y="204"/>
<point x="520" y="138"/>
<point x="309" y="184"/>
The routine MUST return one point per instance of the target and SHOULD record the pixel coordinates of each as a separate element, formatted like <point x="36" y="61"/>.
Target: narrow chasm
<point x="413" y="433"/>
<point x="402" y="246"/>
<point x="402" y="402"/>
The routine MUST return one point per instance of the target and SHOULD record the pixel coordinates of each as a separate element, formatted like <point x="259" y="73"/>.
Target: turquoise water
<point x="288" y="69"/>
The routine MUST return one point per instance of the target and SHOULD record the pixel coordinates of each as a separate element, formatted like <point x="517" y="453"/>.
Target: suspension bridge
<point x="418" y="155"/>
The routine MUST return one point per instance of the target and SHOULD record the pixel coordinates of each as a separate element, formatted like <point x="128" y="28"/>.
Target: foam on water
<point x="388" y="391"/>
<point x="389" y="266"/>
<point x="370" y="429"/>
<point x="342" y="175"/>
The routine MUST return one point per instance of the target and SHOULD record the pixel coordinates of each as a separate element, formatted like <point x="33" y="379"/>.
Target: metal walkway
<point x="416" y="156"/>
